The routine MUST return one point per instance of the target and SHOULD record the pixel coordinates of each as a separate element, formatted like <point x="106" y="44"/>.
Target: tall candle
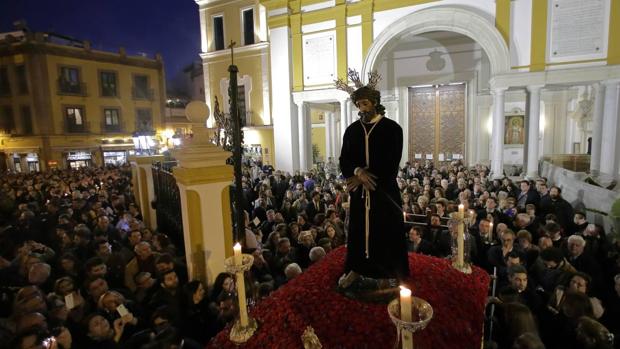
<point x="237" y="254"/>
<point x="460" y="237"/>
<point x="406" y="315"/>
<point x="243" y="308"/>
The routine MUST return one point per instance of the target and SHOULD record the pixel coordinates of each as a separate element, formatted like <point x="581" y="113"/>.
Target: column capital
<point x="534" y="88"/>
<point x="498" y="90"/>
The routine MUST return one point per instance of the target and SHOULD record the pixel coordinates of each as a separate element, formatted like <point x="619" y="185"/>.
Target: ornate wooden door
<point x="437" y="123"/>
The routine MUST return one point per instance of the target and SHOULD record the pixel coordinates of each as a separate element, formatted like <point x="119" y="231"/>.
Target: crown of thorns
<point x="354" y="76"/>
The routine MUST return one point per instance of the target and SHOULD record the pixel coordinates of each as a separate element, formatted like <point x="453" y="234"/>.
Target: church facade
<point x="486" y="81"/>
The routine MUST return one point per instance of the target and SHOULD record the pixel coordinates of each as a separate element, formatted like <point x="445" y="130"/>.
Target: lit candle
<point x="460" y="237"/>
<point x="237" y="250"/>
<point x="243" y="309"/>
<point x="405" y="315"/>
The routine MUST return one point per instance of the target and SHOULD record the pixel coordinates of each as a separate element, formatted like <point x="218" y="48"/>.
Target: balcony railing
<point x="71" y="88"/>
<point x="140" y="93"/>
<point x="73" y="128"/>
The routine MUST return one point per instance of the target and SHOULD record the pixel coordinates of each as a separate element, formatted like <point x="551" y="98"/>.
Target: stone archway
<point x="454" y="19"/>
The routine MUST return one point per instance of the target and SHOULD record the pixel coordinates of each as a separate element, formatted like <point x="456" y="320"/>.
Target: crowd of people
<point x="79" y="268"/>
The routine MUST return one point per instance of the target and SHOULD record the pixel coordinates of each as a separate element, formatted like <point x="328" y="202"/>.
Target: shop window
<point x="218" y="32"/>
<point x="247" y="17"/>
<point x="7" y="123"/>
<point x="75" y="119"/>
<point x="108" y="83"/>
<point x="5" y="86"/>
<point x="111" y="120"/>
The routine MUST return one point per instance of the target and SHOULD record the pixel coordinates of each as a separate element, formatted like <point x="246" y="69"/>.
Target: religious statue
<point x="370" y="157"/>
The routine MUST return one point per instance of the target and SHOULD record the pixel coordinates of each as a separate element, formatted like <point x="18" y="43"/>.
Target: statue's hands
<point x="352" y="183"/>
<point x="367" y="179"/>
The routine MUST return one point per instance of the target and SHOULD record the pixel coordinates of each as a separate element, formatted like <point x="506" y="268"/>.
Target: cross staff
<point x="232" y="51"/>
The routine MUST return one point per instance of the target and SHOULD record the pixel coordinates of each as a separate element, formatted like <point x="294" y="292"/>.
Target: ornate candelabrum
<point x="409" y="315"/>
<point x="460" y="244"/>
<point x="245" y="326"/>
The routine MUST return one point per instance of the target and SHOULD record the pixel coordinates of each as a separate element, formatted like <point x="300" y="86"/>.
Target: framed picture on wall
<point x="515" y="130"/>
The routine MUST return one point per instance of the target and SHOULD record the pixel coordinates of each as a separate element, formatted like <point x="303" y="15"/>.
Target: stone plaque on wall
<point x="319" y="59"/>
<point x="578" y="29"/>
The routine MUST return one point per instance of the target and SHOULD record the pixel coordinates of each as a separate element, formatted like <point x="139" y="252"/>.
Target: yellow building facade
<point x="67" y="105"/>
<point x="513" y="57"/>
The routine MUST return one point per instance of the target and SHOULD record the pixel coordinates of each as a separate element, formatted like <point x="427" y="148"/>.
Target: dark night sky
<point x="170" y="27"/>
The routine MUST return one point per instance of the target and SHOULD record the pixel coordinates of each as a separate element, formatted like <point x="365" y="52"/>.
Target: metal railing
<point x="168" y="202"/>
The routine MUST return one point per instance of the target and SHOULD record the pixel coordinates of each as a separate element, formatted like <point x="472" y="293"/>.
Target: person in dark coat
<point x="554" y="203"/>
<point x="371" y="151"/>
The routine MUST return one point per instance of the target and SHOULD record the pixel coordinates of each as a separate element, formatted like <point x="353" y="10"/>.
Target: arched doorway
<point x="435" y="63"/>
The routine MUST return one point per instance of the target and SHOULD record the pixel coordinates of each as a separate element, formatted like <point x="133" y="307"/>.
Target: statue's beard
<point x="367" y="115"/>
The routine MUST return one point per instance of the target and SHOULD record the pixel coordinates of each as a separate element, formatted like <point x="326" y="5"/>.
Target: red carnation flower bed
<point x="458" y="301"/>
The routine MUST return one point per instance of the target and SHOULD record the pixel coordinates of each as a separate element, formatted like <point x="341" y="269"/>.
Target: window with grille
<point x="75" y="119"/>
<point x="108" y="84"/>
<point x="111" y="120"/>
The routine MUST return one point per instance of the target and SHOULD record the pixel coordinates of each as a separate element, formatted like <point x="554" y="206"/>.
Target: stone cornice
<point x="556" y="77"/>
<point x="203" y="175"/>
<point x="30" y="47"/>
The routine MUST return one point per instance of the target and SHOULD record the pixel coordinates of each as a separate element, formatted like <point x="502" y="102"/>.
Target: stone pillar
<point x="610" y="140"/>
<point x="497" y="157"/>
<point x="144" y="190"/>
<point x="533" y="132"/>
<point x="597" y="128"/>
<point x="344" y="117"/>
<point x="204" y="178"/>
<point x="303" y="135"/>
<point x="328" y="135"/>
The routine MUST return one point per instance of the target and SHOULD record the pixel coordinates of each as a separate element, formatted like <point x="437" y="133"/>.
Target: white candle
<point x="405" y="315"/>
<point x="237" y="257"/>
<point x="243" y="309"/>
<point x="460" y="238"/>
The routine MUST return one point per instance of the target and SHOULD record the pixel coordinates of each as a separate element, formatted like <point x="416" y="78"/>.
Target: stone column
<point x="144" y="189"/>
<point x="328" y="135"/>
<point x="597" y="128"/>
<point x="303" y="134"/>
<point x="204" y="178"/>
<point x="533" y="132"/>
<point x="497" y="157"/>
<point x="610" y="140"/>
<point x="344" y="117"/>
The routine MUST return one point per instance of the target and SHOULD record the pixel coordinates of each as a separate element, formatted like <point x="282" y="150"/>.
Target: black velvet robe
<point x="387" y="242"/>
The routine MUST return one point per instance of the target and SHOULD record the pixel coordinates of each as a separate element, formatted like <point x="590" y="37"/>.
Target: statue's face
<point x="365" y="105"/>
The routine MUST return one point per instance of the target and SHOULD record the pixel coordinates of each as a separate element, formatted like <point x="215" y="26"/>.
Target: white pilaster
<point x="497" y="158"/>
<point x="533" y="132"/>
<point x="285" y="128"/>
<point x="334" y="134"/>
<point x="328" y="135"/>
<point x="610" y="152"/>
<point x="303" y="143"/>
<point x="344" y="116"/>
<point x="597" y="128"/>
